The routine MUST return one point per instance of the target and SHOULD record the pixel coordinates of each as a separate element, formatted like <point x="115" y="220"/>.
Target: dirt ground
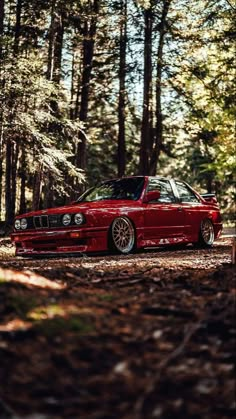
<point x="149" y="335"/>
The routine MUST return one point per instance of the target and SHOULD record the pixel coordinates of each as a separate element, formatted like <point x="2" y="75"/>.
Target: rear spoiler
<point x="210" y="197"/>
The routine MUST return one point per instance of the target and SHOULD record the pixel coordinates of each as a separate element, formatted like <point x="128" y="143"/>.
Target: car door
<point x="192" y="207"/>
<point x="163" y="218"/>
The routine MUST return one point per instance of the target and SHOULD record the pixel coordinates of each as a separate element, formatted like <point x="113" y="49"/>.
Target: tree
<point x="88" y="29"/>
<point x="121" y="154"/>
<point x="31" y="129"/>
<point x="206" y="87"/>
<point x="157" y="145"/>
<point x="2" y="15"/>
<point x="99" y="87"/>
<point x="146" y="129"/>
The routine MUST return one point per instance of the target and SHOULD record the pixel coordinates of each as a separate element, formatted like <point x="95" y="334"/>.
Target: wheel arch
<point x="203" y="240"/>
<point x="110" y="244"/>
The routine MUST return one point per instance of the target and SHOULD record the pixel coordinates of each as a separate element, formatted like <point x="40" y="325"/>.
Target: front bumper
<point x="76" y="240"/>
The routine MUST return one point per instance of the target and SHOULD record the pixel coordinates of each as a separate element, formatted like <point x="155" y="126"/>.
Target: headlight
<point x="23" y="223"/>
<point x="79" y="218"/>
<point x="66" y="219"/>
<point x="17" y="224"/>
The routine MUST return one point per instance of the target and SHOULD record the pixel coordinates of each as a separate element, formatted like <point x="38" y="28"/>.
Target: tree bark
<point x="8" y="181"/>
<point x="48" y="191"/>
<point x="12" y="150"/>
<point x="55" y="46"/>
<point x="58" y="46"/>
<point x="51" y="36"/>
<point x="122" y="91"/>
<point x="37" y="187"/>
<point x="22" y="174"/>
<point x="17" y="27"/>
<point x="90" y="28"/>
<point x="2" y="10"/>
<point x="15" y="156"/>
<point x="72" y="86"/>
<point x="2" y="14"/>
<point x="158" y="138"/>
<point x="147" y="95"/>
<point x="1" y="165"/>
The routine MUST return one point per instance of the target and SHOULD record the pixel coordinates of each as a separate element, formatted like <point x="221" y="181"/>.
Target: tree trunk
<point x="90" y="28"/>
<point x="12" y="150"/>
<point x="2" y="10"/>
<point x="58" y="46"/>
<point x="15" y="155"/>
<point x="78" y="83"/>
<point x="122" y="91"/>
<point x="23" y="182"/>
<point x="72" y="86"/>
<point x="48" y="191"/>
<point x="51" y="37"/>
<point x="55" y="46"/>
<point x="2" y="14"/>
<point x="17" y="27"/>
<point x="158" y="139"/>
<point x="1" y="165"/>
<point x="147" y="95"/>
<point x="8" y="196"/>
<point x="37" y="187"/>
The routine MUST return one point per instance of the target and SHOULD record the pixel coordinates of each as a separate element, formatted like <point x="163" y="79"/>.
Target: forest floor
<point x="149" y="335"/>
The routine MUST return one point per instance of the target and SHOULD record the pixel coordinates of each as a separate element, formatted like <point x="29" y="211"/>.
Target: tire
<point x="122" y="235"/>
<point x="206" y="234"/>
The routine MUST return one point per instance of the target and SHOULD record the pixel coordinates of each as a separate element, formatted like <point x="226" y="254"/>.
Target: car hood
<point x="83" y="207"/>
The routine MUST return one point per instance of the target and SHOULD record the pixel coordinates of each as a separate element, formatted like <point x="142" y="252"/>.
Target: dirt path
<point x="150" y="335"/>
<point x="170" y="257"/>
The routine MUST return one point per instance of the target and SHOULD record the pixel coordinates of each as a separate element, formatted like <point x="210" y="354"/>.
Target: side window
<point x="185" y="193"/>
<point x="164" y="187"/>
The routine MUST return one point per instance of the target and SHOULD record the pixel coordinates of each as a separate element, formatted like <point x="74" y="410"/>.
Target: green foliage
<point x="106" y="297"/>
<point x="20" y="305"/>
<point x="27" y="119"/>
<point x="204" y="83"/>
<point x="60" y="325"/>
<point x="39" y="115"/>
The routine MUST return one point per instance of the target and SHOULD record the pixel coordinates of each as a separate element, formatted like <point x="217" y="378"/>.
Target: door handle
<point x="180" y="208"/>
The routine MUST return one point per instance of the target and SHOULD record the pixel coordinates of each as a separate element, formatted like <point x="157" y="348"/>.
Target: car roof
<point x="139" y="176"/>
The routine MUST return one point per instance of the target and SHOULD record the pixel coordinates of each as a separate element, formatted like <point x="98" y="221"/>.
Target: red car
<point x="121" y="215"/>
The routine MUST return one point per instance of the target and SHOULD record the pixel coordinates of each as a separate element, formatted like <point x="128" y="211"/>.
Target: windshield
<point x="126" y="188"/>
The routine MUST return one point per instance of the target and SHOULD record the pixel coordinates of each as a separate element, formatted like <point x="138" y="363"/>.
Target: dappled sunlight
<point x="160" y="258"/>
<point x="29" y="278"/>
<point x="53" y="317"/>
<point x="53" y="310"/>
<point x="15" y="325"/>
<point x="48" y="312"/>
<point x="6" y="253"/>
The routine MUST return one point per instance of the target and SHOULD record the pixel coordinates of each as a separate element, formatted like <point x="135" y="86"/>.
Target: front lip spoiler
<point x="22" y="235"/>
<point x="59" y="252"/>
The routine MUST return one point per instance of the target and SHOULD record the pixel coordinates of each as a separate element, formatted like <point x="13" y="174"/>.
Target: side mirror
<point x="151" y="196"/>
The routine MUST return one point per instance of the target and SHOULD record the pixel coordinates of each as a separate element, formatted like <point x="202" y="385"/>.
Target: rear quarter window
<point x="185" y="193"/>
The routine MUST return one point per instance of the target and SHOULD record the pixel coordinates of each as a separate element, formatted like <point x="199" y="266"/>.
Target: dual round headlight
<point x="21" y="224"/>
<point x="78" y="219"/>
<point x="17" y="224"/>
<point x="66" y="219"/>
